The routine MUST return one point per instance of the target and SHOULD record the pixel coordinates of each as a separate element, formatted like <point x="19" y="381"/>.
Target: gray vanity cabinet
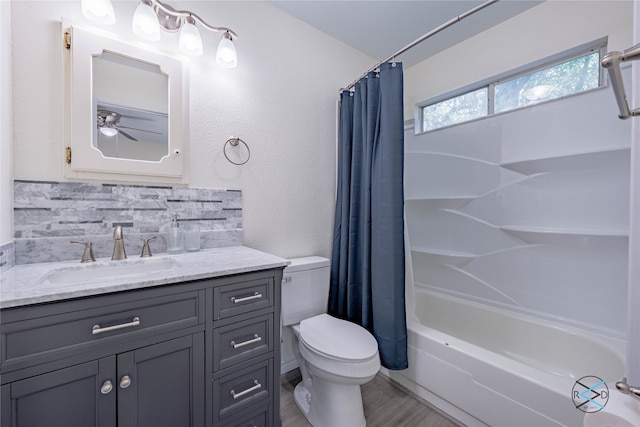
<point x="162" y="384"/>
<point x="195" y="354"/>
<point x="245" y="361"/>
<point x="152" y="386"/>
<point x="65" y="397"/>
<point x="128" y="359"/>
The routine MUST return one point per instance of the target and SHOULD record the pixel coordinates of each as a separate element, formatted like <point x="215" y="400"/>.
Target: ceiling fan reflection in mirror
<point x="109" y="125"/>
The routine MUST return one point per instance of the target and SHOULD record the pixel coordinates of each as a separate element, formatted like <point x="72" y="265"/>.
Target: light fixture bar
<point x="151" y="16"/>
<point x="170" y="12"/>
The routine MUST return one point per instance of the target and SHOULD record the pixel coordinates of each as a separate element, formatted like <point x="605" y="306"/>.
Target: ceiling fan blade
<point x="125" y="116"/>
<point x="141" y="130"/>
<point x="127" y="135"/>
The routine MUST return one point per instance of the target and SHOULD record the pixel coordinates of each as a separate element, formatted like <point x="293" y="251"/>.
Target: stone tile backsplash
<point x="7" y="256"/>
<point x="47" y="215"/>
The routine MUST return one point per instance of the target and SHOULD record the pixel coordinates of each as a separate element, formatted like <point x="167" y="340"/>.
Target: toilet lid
<point x="338" y="338"/>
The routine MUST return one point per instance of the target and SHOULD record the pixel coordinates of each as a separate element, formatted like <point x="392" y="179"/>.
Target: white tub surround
<point x="527" y="210"/>
<point x="31" y="284"/>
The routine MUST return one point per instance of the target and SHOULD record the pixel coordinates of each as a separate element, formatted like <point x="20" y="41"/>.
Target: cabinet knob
<point x="125" y="381"/>
<point x="106" y="388"/>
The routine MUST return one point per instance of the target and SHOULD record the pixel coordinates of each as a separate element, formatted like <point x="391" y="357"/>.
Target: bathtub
<point x="501" y="368"/>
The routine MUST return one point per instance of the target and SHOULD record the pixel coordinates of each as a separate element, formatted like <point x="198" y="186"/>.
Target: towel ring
<point x="234" y="141"/>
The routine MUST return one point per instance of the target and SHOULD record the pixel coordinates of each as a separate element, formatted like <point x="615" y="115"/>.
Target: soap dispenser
<point x="175" y="238"/>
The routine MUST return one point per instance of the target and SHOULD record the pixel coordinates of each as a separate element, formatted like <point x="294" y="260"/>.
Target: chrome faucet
<point x="118" y="244"/>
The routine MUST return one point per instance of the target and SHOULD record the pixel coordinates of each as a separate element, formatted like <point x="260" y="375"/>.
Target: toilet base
<point x="302" y="398"/>
<point x="332" y="405"/>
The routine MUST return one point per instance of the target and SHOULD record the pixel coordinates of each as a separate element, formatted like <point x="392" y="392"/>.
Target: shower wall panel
<point x="526" y="210"/>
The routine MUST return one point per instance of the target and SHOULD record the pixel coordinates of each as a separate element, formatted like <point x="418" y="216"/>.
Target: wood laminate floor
<point x="385" y="405"/>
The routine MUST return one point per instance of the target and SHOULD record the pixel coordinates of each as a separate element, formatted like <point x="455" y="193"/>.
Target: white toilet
<point x="335" y="356"/>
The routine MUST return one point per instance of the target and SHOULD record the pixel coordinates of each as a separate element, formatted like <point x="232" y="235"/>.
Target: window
<point x="458" y="109"/>
<point x="553" y="79"/>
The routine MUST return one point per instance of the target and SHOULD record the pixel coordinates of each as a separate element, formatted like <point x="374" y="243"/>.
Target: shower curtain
<point x="367" y="269"/>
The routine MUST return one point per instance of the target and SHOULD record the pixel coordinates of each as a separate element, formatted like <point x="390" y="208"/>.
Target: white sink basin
<point x="112" y="269"/>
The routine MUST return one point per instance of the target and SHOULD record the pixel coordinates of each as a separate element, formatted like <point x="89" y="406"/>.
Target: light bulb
<point x="145" y="23"/>
<point x="100" y="11"/>
<point x="108" y="131"/>
<point x="226" y="55"/>
<point x="190" y="41"/>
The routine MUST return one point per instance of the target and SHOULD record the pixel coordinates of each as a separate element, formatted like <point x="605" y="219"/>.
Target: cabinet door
<point x="81" y="395"/>
<point x="162" y="385"/>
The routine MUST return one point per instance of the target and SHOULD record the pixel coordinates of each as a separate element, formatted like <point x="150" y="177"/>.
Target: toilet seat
<point x="338" y="339"/>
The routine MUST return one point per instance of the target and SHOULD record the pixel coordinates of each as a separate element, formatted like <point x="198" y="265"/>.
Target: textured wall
<point x="6" y="125"/>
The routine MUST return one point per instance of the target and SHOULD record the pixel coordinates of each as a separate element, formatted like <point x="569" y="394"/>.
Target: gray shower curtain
<point x="367" y="269"/>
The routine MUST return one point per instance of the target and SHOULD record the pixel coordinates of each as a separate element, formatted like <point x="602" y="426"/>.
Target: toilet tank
<point x="305" y="289"/>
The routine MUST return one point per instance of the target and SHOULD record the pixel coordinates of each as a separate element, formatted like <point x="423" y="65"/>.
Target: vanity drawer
<point x="259" y="418"/>
<point x="243" y="297"/>
<point x="242" y="390"/>
<point x="241" y="341"/>
<point x="74" y="328"/>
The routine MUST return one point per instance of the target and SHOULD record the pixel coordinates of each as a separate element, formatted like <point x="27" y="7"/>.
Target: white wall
<point x="6" y="127"/>
<point x="544" y="30"/>
<point x="280" y="100"/>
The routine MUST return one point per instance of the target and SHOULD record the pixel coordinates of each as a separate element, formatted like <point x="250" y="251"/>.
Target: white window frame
<point x="599" y="45"/>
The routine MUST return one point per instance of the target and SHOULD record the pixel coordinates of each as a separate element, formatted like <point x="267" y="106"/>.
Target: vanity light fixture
<point x="169" y="19"/>
<point x="226" y="54"/>
<point x="145" y="23"/>
<point x="100" y="11"/>
<point x="190" y="41"/>
<point x="152" y="15"/>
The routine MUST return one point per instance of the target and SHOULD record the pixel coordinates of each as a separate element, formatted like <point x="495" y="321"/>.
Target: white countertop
<point x="28" y="284"/>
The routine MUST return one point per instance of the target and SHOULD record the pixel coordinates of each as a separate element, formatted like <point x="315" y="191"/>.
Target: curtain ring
<point x="234" y="141"/>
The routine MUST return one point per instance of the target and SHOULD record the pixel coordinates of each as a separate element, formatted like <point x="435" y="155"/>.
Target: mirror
<point x="131" y="100"/>
<point x="128" y="110"/>
<point x="129" y="133"/>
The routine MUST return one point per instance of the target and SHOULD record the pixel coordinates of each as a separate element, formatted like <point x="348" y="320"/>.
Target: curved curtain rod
<point x="424" y="37"/>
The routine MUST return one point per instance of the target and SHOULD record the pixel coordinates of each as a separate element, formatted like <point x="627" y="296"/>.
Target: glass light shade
<point x="190" y="41"/>
<point x="100" y="11"/>
<point x="145" y="23"/>
<point x="226" y="55"/>
<point x="107" y="131"/>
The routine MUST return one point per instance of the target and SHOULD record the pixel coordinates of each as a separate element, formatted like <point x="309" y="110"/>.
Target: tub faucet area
<point x="118" y="244"/>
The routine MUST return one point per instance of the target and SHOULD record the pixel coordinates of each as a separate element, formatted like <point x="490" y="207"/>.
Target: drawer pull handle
<point x="256" y="295"/>
<point x="255" y="387"/>
<point x="98" y="330"/>
<point x="106" y="388"/>
<point x="256" y="338"/>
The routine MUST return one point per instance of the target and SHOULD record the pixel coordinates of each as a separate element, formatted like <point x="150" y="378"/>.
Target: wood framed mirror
<point x="127" y="110"/>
